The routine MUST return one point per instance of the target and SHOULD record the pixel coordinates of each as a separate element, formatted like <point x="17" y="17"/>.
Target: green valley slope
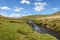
<point x="17" y="29"/>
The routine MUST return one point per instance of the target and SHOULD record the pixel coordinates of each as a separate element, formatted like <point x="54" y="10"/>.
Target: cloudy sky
<point x="19" y="8"/>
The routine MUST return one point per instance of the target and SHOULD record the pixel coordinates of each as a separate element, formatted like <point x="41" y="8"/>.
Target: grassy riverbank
<point x="17" y="29"/>
<point x="53" y="21"/>
<point x="53" y="24"/>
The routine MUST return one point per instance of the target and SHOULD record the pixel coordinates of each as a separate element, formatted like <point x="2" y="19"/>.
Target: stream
<point x="43" y="30"/>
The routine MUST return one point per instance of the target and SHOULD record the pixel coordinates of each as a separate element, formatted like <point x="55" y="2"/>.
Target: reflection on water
<point x="39" y="29"/>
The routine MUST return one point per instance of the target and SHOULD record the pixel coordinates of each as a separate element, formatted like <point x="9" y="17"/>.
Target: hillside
<point x="56" y="14"/>
<point x="39" y="16"/>
<point x="51" y="20"/>
<point x="53" y="16"/>
<point x="17" y="29"/>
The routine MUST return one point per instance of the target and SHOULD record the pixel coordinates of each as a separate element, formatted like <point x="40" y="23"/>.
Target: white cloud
<point x="17" y="9"/>
<point x="14" y="15"/>
<point x="25" y="1"/>
<point x="55" y="9"/>
<point x="39" y="6"/>
<point x="3" y="14"/>
<point x="11" y="15"/>
<point x="17" y="15"/>
<point x="4" y="7"/>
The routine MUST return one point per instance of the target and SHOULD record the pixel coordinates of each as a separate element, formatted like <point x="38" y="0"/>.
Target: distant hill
<point x="33" y="16"/>
<point x="39" y="16"/>
<point x="56" y="14"/>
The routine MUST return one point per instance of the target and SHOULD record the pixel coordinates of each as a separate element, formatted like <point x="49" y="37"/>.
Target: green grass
<point x="15" y="29"/>
<point x="51" y="23"/>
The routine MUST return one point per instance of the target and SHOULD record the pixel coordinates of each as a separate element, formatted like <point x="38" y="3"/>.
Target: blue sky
<point x="19" y="8"/>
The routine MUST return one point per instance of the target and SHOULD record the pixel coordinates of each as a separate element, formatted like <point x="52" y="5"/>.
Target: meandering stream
<point x="43" y="30"/>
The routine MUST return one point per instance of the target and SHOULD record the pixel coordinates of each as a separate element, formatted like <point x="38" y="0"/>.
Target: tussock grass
<point x="16" y="29"/>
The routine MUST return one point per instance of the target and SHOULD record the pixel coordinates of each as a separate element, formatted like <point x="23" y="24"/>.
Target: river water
<point x="43" y="30"/>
